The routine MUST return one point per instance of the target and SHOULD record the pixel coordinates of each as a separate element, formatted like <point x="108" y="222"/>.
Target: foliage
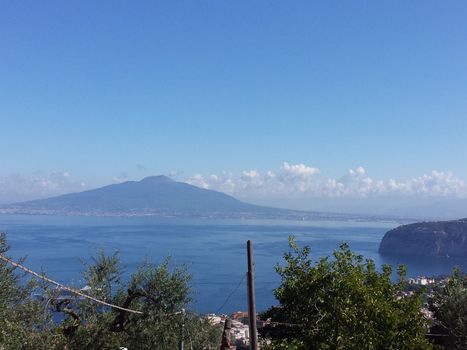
<point x="23" y="322"/>
<point x="161" y="292"/>
<point x="343" y="303"/>
<point x="449" y="307"/>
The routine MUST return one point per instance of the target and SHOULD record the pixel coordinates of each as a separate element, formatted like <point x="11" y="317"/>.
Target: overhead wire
<point x="230" y="295"/>
<point x="71" y="290"/>
<point x="83" y="295"/>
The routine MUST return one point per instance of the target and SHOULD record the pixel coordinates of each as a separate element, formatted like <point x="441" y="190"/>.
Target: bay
<point x="214" y="251"/>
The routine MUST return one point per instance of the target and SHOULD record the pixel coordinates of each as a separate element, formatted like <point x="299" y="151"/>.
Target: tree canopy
<point x="338" y="302"/>
<point x="55" y="321"/>
<point x="343" y="303"/>
<point x="449" y="307"/>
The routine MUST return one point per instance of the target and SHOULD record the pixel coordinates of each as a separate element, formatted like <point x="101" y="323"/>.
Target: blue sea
<point x="214" y="251"/>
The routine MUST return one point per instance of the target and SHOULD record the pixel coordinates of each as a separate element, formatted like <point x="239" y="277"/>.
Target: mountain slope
<point x="161" y="196"/>
<point x="155" y="195"/>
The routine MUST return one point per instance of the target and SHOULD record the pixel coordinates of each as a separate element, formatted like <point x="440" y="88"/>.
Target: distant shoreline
<point x="296" y="217"/>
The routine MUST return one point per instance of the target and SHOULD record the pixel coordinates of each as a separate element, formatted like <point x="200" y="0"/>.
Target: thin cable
<point x="71" y="290"/>
<point x="283" y="324"/>
<point x="231" y="293"/>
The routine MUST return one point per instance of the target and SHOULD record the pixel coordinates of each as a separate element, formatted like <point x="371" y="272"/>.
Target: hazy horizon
<point x="411" y="207"/>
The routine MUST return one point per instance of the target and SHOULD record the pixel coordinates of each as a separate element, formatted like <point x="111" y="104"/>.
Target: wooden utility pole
<point x="226" y="335"/>
<point x="251" y="298"/>
<point x="181" y="344"/>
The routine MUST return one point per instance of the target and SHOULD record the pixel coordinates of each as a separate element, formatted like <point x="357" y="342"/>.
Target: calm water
<point x="214" y="251"/>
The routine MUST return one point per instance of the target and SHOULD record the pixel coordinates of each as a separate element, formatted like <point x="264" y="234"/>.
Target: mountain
<point x="152" y="196"/>
<point x="161" y="196"/>
<point x="431" y="239"/>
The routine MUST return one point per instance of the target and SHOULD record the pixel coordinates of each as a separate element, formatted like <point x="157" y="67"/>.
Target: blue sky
<point x="110" y="90"/>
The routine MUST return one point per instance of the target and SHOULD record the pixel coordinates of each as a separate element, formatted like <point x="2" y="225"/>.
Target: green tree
<point x="160" y="292"/>
<point x="449" y="307"/>
<point x="24" y="322"/>
<point x="343" y="303"/>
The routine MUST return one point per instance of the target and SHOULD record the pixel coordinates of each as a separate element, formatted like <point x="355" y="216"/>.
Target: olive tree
<point x="158" y="293"/>
<point x="25" y="322"/>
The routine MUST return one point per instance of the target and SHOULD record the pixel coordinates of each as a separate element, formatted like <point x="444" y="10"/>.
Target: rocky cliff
<point x="433" y="239"/>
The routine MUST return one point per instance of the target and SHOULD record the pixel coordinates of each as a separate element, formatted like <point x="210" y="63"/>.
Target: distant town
<point x="293" y="216"/>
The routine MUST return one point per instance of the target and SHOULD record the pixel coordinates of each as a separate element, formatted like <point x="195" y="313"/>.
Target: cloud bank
<point x="303" y="181"/>
<point x="17" y="187"/>
<point x="290" y="181"/>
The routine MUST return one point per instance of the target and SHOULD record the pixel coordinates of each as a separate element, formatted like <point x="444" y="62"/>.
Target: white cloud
<point x="122" y="177"/>
<point x="199" y="181"/>
<point x="437" y="183"/>
<point x="303" y="181"/>
<point x="299" y="170"/>
<point x="17" y="187"/>
<point x="289" y="181"/>
<point x="357" y="171"/>
<point x="251" y="174"/>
